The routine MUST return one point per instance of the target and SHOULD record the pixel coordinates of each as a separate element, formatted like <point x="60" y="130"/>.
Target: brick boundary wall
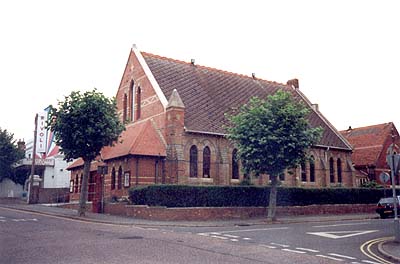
<point x="224" y="213"/>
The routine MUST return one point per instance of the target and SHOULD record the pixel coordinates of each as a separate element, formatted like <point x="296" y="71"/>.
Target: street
<point x="344" y="241"/>
<point x="36" y="238"/>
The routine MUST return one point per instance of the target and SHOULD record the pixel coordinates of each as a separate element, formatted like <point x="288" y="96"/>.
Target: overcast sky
<point x="346" y="54"/>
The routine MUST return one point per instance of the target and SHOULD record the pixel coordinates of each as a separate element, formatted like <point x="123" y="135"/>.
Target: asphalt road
<point x="35" y="238"/>
<point x="344" y="241"/>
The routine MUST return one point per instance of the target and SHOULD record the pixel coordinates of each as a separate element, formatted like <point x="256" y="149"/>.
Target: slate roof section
<point x="368" y="142"/>
<point x="208" y="93"/>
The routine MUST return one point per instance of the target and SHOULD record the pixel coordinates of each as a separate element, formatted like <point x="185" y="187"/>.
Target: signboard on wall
<point x="41" y="136"/>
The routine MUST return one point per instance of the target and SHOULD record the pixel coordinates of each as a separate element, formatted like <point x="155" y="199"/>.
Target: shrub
<point x="222" y="196"/>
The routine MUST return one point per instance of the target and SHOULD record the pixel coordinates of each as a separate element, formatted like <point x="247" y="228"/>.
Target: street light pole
<point x="393" y="172"/>
<point x="31" y="198"/>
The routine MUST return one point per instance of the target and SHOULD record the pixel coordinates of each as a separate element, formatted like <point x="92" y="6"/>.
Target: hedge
<point x="224" y="196"/>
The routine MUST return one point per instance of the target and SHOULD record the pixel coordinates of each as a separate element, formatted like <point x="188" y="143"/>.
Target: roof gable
<point x="209" y="93"/>
<point x="368" y="142"/>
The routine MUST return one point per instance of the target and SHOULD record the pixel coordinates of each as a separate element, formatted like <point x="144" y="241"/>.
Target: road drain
<point x="131" y="237"/>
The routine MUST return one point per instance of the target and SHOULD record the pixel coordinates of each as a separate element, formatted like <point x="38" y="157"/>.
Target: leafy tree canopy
<point x="84" y="123"/>
<point x="9" y="154"/>
<point x="273" y="134"/>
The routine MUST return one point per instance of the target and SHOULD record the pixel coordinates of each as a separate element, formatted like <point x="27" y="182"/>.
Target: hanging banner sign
<point x="41" y="136"/>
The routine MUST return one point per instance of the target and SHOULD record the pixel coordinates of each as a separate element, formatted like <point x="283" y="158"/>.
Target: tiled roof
<point x="138" y="139"/>
<point x="368" y="142"/>
<point x="208" y="93"/>
<point x="79" y="163"/>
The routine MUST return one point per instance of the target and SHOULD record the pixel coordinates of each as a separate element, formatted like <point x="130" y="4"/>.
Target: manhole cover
<point x="131" y="237"/>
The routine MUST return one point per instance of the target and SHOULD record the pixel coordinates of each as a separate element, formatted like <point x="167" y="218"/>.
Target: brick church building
<point x="174" y="115"/>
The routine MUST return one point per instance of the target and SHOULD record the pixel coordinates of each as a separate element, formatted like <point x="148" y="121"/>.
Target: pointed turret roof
<point x="175" y="100"/>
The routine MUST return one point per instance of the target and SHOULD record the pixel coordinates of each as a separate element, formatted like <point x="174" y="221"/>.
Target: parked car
<point x="385" y="207"/>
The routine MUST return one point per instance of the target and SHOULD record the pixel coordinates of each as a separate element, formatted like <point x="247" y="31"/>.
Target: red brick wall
<point x="221" y="213"/>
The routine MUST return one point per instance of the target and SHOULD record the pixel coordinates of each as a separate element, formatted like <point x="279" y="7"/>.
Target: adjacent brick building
<point x="174" y="114"/>
<point x="371" y="145"/>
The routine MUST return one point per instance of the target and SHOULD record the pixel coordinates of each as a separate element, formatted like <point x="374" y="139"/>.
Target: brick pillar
<point x="174" y="123"/>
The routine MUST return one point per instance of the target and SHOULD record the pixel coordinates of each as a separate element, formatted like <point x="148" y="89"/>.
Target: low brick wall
<point x="224" y="213"/>
<point x="53" y="195"/>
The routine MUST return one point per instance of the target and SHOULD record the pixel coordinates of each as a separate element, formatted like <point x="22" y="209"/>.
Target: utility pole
<point x="31" y="197"/>
<point x="394" y="160"/>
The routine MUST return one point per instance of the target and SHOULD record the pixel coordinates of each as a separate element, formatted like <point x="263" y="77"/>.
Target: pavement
<point x="388" y="248"/>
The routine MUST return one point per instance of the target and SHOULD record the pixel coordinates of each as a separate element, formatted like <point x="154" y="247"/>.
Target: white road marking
<point x="246" y="238"/>
<point x="232" y="236"/>
<point x="370" y="262"/>
<point x="1" y="220"/>
<point x="220" y="237"/>
<point x="323" y="256"/>
<point x="341" y="225"/>
<point x="2" y="217"/>
<point x="332" y="234"/>
<point x="215" y="233"/>
<point x="281" y="245"/>
<point x="254" y="230"/>
<point x="308" y="249"/>
<point x="294" y="251"/>
<point x="272" y="247"/>
<point x="340" y="256"/>
<point x="234" y="240"/>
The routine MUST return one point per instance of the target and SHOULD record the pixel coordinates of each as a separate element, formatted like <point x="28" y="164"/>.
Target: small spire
<point x="175" y="100"/>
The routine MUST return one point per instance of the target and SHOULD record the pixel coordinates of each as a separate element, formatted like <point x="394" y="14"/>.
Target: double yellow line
<point x="366" y="250"/>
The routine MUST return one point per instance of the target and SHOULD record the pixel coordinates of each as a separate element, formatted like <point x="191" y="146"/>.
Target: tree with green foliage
<point x="272" y="135"/>
<point x="9" y="154"/>
<point x="83" y="124"/>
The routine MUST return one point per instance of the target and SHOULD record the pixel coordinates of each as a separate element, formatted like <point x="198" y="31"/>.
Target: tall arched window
<point x="119" y="178"/>
<point x="206" y="162"/>
<point x="235" y="165"/>
<point x="80" y="185"/>
<point x="193" y="161"/>
<point x="138" y="102"/>
<point x="113" y="179"/>
<point x="312" y="169"/>
<point x="339" y="170"/>
<point x="303" y="172"/>
<point x="125" y="106"/>
<point x="331" y="170"/>
<point x="132" y="100"/>
<point x="76" y="183"/>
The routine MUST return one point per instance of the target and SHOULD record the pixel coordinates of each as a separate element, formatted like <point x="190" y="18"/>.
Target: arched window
<point x="132" y="100"/>
<point x="206" y="162"/>
<point x="119" y="178"/>
<point x="331" y="170"/>
<point x="303" y="172"/>
<point x="235" y="165"/>
<point x="76" y="183"/>
<point x="80" y="185"/>
<point x="193" y="161"/>
<point x="339" y="170"/>
<point x="113" y="179"/>
<point x="125" y="106"/>
<point x="312" y="169"/>
<point x="138" y="102"/>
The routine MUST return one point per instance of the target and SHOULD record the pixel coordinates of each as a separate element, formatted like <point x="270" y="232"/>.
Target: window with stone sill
<point x="193" y="162"/>
<point x="206" y="162"/>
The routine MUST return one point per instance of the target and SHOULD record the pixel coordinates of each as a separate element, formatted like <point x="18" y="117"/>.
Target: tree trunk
<point x="84" y="190"/>
<point x="272" y="198"/>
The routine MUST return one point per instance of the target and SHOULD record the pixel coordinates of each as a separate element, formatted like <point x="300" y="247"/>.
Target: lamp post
<point x="32" y="191"/>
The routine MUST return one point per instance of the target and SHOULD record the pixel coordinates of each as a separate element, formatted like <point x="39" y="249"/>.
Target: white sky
<point x="346" y="54"/>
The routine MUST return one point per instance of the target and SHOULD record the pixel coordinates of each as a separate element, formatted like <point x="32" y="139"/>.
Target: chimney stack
<point x="192" y="61"/>
<point x="294" y="83"/>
